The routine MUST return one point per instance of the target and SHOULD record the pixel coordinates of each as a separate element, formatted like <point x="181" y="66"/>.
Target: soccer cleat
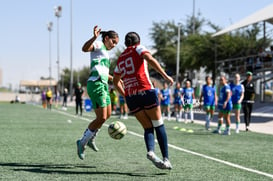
<point x="226" y="132"/>
<point x="167" y="164"/>
<point x="247" y="129"/>
<point x="80" y="149"/>
<point x="237" y="130"/>
<point x="217" y="131"/>
<point x="91" y="144"/>
<point x="156" y="161"/>
<point x="207" y="126"/>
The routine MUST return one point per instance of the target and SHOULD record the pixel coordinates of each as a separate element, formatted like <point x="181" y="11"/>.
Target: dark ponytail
<point x="132" y="38"/>
<point x="110" y="34"/>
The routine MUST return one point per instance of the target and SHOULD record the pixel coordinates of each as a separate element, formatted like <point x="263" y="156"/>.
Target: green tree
<point x="200" y="49"/>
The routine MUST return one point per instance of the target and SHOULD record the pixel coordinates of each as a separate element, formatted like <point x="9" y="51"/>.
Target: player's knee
<point x="157" y="123"/>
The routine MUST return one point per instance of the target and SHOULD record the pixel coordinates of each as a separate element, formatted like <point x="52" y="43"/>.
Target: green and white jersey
<point x="100" y="63"/>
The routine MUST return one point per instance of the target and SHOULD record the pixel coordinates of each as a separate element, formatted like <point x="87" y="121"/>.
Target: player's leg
<point x="246" y="113"/>
<point x="237" y="108"/>
<point x="152" y="109"/>
<point x="149" y="138"/>
<point x="176" y="110"/>
<point x="250" y="106"/>
<point x="186" y="111"/>
<point x="207" y="124"/>
<point x="169" y="112"/>
<point x="99" y="94"/>
<point x="77" y="105"/>
<point x="212" y="108"/>
<point x="121" y="107"/>
<point x="191" y="113"/>
<point x="227" y="118"/>
<point x="102" y="115"/>
<point x="220" y="121"/>
<point x="158" y="124"/>
<point x="80" y="105"/>
<point x="125" y="111"/>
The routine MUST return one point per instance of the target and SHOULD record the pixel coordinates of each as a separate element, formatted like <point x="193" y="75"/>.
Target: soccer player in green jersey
<point x="97" y="84"/>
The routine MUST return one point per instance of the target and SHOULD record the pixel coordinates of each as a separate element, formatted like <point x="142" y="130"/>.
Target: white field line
<point x="188" y="151"/>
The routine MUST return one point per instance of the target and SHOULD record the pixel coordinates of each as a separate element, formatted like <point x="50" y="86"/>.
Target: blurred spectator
<point x="114" y="100"/>
<point x="57" y="97"/>
<point x="79" y="93"/>
<point x="237" y="97"/>
<point x="43" y="98"/>
<point x="123" y="108"/>
<point x="177" y="96"/>
<point x="157" y="90"/>
<point x="165" y="97"/>
<point x="248" y="101"/>
<point x="49" y="98"/>
<point x="65" y="94"/>
<point x="187" y="98"/>
<point x="210" y="100"/>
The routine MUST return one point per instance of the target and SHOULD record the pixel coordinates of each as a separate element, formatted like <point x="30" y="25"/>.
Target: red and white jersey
<point x="133" y="70"/>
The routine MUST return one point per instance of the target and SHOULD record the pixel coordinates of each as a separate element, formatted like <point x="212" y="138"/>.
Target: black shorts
<point x="142" y="100"/>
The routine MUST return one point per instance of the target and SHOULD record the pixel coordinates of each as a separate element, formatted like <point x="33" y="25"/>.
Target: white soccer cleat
<point x="156" y="161"/>
<point x="167" y="164"/>
<point x="91" y="144"/>
<point x="237" y="130"/>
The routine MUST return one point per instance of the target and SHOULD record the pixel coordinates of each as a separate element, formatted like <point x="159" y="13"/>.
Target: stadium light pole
<point x="193" y="17"/>
<point x="58" y="14"/>
<point x="178" y="54"/>
<point x="49" y="28"/>
<point x="71" y="54"/>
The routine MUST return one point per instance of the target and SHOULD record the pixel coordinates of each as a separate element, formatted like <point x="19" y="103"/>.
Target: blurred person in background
<point x="49" y="98"/>
<point x="187" y="98"/>
<point x="224" y="106"/>
<point x="210" y="101"/>
<point x="249" y="97"/>
<point x="65" y="94"/>
<point x="177" y="96"/>
<point x="78" y="93"/>
<point x="165" y="100"/>
<point x="237" y="90"/>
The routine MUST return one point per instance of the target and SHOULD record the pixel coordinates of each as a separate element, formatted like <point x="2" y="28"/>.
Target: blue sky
<point x="24" y="47"/>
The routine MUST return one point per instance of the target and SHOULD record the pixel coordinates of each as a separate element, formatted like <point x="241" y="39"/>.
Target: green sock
<point x="219" y="124"/>
<point x="237" y="123"/>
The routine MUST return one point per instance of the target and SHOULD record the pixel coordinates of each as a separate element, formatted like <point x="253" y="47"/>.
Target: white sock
<point x="191" y="113"/>
<point x="180" y="113"/>
<point x="207" y="118"/>
<point x="186" y="116"/>
<point x="87" y="135"/>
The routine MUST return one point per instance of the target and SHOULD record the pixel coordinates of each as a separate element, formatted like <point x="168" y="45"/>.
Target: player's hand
<point x="224" y="105"/>
<point x="170" y="80"/>
<point x="96" y="31"/>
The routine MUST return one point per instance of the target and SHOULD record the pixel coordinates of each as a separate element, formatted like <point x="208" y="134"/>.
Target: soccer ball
<point x="117" y="130"/>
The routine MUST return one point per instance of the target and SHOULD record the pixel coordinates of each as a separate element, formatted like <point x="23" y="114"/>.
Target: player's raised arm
<point x="88" y="46"/>
<point x="153" y="62"/>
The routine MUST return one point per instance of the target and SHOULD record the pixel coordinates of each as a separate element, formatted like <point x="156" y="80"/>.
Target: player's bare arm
<point x="118" y="85"/>
<point x="153" y="62"/>
<point x="88" y="46"/>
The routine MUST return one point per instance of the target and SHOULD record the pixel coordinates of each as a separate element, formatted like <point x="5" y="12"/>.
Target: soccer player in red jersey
<point x="141" y="97"/>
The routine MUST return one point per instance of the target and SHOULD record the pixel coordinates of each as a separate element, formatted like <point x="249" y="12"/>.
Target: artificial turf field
<point x="38" y="144"/>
